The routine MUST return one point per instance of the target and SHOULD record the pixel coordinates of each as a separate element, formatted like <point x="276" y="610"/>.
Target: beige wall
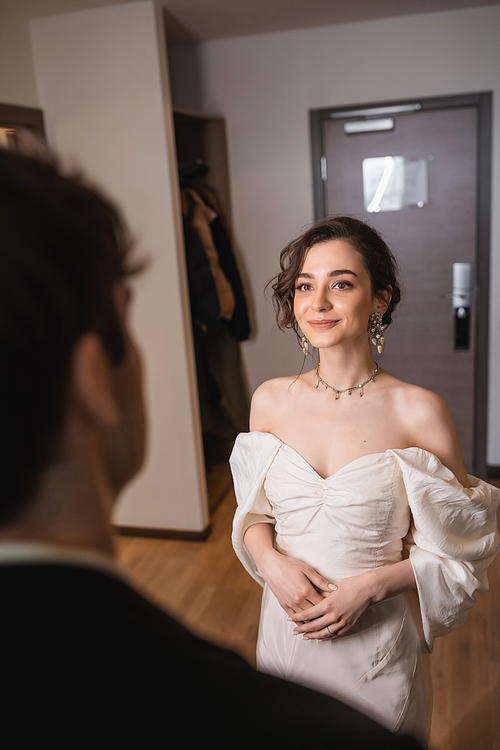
<point x="17" y="76"/>
<point x="264" y="86"/>
<point x="100" y="85"/>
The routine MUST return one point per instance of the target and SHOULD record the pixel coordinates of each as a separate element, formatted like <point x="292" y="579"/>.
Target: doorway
<point x="218" y="305"/>
<point x="419" y="172"/>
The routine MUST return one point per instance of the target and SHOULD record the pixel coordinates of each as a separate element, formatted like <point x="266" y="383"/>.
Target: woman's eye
<point x="303" y="288"/>
<point x="343" y="285"/>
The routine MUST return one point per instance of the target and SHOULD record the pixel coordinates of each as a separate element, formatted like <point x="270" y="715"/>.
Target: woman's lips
<point x="322" y="324"/>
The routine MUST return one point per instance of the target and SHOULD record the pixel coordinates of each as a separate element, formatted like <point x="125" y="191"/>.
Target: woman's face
<point x="333" y="295"/>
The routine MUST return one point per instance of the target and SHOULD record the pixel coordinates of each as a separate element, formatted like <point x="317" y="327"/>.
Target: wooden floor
<point x="204" y="585"/>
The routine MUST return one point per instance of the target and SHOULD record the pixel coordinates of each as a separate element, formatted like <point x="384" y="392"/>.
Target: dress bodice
<point x="343" y="525"/>
<point x="367" y="515"/>
<point x="359" y="517"/>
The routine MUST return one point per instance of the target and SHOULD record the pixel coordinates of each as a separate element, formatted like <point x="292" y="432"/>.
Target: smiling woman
<point x="371" y="251"/>
<point x="349" y="504"/>
<point x="333" y="304"/>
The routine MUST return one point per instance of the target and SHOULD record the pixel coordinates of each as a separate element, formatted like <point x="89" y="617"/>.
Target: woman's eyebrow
<point x="330" y="274"/>
<point x="342" y="272"/>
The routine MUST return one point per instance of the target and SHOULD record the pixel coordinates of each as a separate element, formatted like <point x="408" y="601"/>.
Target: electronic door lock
<point x="461" y="304"/>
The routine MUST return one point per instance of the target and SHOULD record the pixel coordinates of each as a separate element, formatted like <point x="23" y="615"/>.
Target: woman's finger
<point x="321" y="583"/>
<point x="305" y="601"/>
<point x="321" y="635"/>
<point x="313" y="599"/>
<point x="296" y="612"/>
<point x="315" y="626"/>
<point x="312" y="613"/>
<point x="344" y="630"/>
<point x="304" y="597"/>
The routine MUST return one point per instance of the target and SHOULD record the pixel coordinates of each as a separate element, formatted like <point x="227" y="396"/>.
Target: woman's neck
<point x="343" y="367"/>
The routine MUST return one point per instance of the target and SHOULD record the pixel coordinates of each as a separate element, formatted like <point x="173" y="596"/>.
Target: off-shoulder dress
<point x="371" y="513"/>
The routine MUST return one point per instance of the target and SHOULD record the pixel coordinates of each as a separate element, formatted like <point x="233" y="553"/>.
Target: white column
<point x="103" y="86"/>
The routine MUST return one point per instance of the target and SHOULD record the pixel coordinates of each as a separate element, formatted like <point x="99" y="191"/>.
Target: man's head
<point x="64" y="340"/>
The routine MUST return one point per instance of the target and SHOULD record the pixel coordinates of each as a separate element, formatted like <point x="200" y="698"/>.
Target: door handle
<point x="461" y="304"/>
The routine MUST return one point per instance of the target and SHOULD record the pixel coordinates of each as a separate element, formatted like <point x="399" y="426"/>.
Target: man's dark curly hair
<point x="63" y="246"/>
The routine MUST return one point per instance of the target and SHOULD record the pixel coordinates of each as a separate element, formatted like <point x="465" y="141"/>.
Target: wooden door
<point x="427" y="236"/>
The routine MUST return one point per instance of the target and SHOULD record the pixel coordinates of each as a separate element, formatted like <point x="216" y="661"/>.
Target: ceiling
<point x="195" y="20"/>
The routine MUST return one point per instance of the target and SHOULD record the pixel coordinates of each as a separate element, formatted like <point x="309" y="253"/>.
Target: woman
<point x="352" y="493"/>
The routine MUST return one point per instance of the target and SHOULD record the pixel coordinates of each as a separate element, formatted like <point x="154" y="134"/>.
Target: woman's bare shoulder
<point x="415" y="402"/>
<point x="428" y="423"/>
<point x="270" y="399"/>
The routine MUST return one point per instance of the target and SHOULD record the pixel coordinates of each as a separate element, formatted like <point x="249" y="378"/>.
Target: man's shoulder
<point x="114" y="656"/>
<point x="62" y="598"/>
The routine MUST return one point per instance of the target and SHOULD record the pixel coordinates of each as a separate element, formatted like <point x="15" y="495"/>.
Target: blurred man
<point x="86" y="661"/>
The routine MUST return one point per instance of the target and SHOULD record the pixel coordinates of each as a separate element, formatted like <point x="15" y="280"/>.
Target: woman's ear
<point x="383" y="300"/>
<point x="91" y="379"/>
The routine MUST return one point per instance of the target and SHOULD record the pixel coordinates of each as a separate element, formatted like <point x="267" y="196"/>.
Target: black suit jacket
<point x="87" y="662"/>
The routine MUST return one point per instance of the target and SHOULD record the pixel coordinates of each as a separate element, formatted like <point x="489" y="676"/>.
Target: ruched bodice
<point x="371" y="513"/>
<point x="349" y="523"/>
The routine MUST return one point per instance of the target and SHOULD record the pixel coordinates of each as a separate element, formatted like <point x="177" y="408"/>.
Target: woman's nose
<point x="321" y="301"/>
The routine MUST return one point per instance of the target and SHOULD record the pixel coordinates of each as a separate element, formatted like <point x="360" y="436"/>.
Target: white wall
<point x="17" y="77"/>
<point x="264" y="86"/>
<point x="105" y="99"/>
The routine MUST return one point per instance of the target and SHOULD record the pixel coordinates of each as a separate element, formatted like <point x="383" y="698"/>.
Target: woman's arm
<point x="295" y="585"/>
<point x="343" y="607"/>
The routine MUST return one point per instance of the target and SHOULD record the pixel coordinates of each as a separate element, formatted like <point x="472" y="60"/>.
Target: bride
<point x="355" y="512"/>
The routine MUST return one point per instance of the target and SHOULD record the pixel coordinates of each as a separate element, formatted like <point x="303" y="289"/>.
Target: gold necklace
<point x="352" y="388"/>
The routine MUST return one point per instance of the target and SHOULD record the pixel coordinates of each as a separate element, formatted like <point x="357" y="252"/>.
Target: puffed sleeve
<point x="252" y="455"/>
<point x="452" y="540"/>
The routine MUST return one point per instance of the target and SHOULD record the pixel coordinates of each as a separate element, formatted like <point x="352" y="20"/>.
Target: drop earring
<point x="304" y="343"/>
<point x="377" y="328"/>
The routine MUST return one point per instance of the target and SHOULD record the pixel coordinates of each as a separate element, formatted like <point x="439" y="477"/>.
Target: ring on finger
<point x="332" y="634"/>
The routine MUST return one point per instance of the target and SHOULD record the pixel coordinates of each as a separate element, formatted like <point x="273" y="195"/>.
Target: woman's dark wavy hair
<point x="63" y="246"/>
<point x="378" y="259"/>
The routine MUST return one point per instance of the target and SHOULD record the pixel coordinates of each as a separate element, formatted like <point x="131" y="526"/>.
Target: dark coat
<point x="87" y="662"/>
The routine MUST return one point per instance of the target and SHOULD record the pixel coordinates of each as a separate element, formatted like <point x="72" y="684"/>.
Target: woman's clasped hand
<point x="320" y="608"/>
<point x="296" y="585"/>
<point x="339" y="610"/>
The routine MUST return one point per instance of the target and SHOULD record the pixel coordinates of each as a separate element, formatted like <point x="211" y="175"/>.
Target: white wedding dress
<point x="369" y="514"/>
